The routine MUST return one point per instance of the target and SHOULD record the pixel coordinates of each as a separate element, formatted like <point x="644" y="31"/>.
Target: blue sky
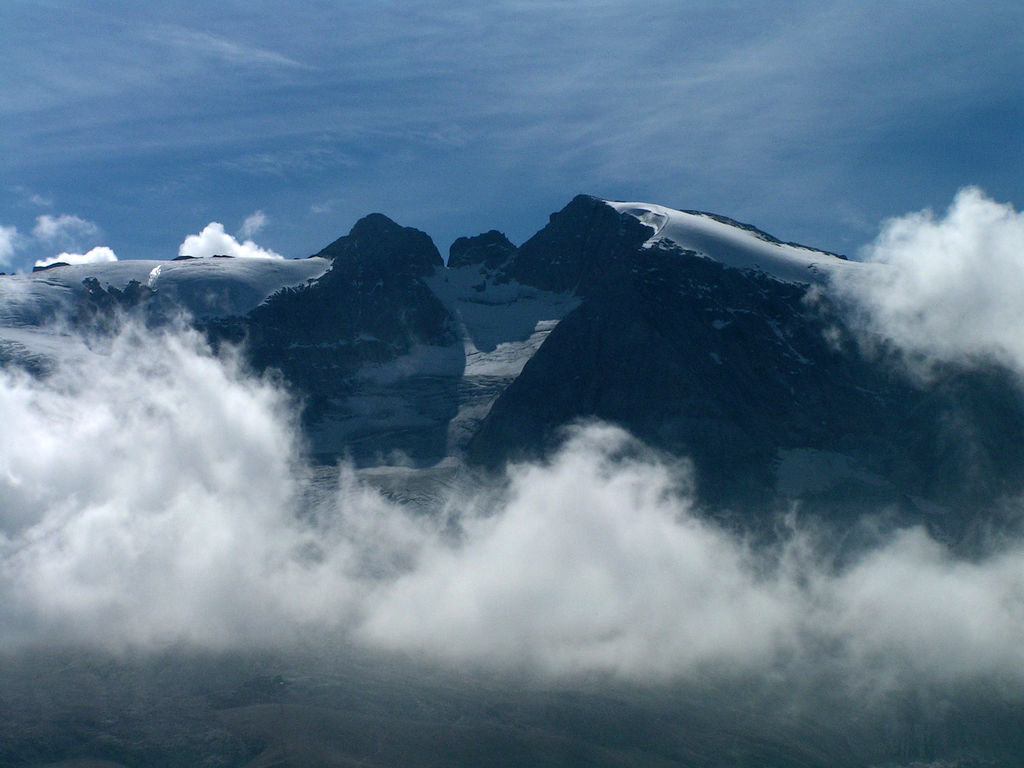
<point x="131" y="126"/>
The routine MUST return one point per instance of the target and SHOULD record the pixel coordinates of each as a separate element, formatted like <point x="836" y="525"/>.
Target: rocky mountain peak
<point x="490" y="249"/>
<point x="378" y="244"/>
<point x="585" y="239"/>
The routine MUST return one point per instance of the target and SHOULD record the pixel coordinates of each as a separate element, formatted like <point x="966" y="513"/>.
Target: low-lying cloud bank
<point x="153" y="493"/>
<point x="949" y="287"/>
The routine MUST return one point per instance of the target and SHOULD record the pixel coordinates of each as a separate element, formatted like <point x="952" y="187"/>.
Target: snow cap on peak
<point x="731" y="243"/>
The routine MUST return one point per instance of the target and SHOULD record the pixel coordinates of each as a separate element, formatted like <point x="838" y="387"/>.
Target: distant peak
<point x="490" y="249"/>
<point x="586" y="240"/>
<point x="378" y="242"/>
<point x="376" y="225"/>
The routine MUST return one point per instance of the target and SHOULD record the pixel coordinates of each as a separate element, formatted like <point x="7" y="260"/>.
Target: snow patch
<point x="31" y="303"/>
<point x="501" y="325"/>
<point x="204" y="288"/>
<point x="733" y="245"/>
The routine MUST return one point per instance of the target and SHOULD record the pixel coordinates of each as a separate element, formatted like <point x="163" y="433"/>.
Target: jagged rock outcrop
<point x="327" y="337"/>
<point x="586" y="241"/>
<point x="490" y="249"/>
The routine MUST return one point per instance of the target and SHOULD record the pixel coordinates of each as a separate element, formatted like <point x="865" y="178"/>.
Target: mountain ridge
<point x="703" y="337"/>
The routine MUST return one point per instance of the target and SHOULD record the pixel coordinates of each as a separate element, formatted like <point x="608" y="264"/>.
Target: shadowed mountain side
<point x="64" y="710"/>
<point x="585" y="243"/>
<point x="490" y="249"/>
<point x="334" y="338"/>
<point x="734" y="369"/>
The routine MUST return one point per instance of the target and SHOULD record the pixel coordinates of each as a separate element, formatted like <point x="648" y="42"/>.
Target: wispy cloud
<point x="65" y="228"/>
<point x="311" y="159"/>
<point x="205" y="43"/>
<point x="789" y="116"/>
<point x="77" y="236"/>
<point x="253" y="224"/>
<point x="8" y="239"/>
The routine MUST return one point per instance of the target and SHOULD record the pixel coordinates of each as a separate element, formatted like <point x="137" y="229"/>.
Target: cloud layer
<point x="947" y="287"/>
<point x="153" y="493"/>
<point x="68" y="231"/>
<point x="214" y="241"/>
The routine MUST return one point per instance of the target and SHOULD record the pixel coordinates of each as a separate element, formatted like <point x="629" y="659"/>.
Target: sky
<point x="131" y="127"/>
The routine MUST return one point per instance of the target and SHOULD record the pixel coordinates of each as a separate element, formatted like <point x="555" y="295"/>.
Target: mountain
<point x="704" y="337"/>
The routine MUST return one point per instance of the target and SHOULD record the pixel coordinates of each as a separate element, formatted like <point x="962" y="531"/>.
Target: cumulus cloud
<point x="596" y="563"/>
<point x="213" y="241"/>
<point x="65" y="228"/>
<point x="253" y="224"/>
<point x="8" y="239"/>
<point x="946" y="287"/>
<point x="95" y="255"/>
<point x="152" y="492"/>
<point x="148" y="495"/>
<point x="593" y="562"/>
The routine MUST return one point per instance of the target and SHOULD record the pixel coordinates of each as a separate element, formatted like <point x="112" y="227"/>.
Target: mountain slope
<point x="707" y="340"/>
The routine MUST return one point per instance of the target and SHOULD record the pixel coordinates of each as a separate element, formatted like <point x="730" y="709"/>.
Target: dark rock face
<point x="491" y="249"/>
<point x="378" y="246"/>
<point x="372" y="291"/>
<point x="585" y="243"/>
<point x="370" y="308"/>
<point x="746" y="375"/>
<point x="110" y="297"/>
<point x="731" y="368"/>
<point x="38" y="268"/>
<point x="685" y="354"/>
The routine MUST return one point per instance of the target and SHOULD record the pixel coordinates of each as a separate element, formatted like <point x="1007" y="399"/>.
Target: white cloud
<point x="95" y="255"/>
<point x="8" y="241"/>
<point x="152" y="493"/>
<point x="596" y="563"/>
<point x="253" y="224"/>
<point x="213" y="240"/>
<point x="948" y="287"/>
<point x="64" y="228"/>
<point x="592" y="563"/>
<point x="145" y="484"/>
